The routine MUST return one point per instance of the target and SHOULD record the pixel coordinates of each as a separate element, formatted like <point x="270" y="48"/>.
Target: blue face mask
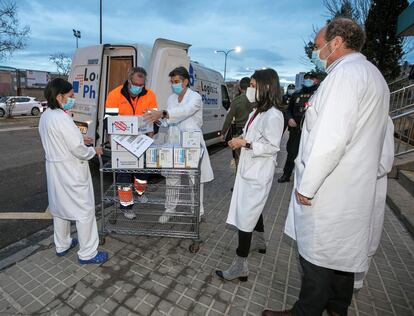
<point x="318" y="62"/>
<point x="135" y="90"/>
<point x="308" y="83"/>
<point x="177" y="88"/>
<point x="70" y="103"/>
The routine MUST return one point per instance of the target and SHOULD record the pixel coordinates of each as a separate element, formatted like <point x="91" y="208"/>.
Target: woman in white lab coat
<point x="184" y="112"/>
<point x="69" y="183"/>
<point x="259" y="145"/>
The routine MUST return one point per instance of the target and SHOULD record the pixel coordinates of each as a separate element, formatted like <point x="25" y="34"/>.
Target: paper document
<point x="137" y="145"/>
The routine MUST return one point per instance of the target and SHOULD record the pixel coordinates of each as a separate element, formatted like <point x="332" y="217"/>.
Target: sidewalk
<point x="159" y="276"/>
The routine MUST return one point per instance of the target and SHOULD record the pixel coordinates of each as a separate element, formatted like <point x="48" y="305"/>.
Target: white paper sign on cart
<point x="136" y="144"/>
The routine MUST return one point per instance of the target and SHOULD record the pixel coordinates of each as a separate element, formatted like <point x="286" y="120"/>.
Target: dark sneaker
<point x="283" y="178"/>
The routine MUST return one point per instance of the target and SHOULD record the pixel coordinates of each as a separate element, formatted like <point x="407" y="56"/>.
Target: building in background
<point x="25" y="82"/>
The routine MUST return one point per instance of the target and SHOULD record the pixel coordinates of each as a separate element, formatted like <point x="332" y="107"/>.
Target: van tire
<point x="2" y="112"/>
<point x="35" y="111"/>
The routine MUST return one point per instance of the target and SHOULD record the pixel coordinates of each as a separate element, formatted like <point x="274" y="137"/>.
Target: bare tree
<point x="62" y="62"/>
<point x="354" y="9"/>
<point x="12" y="36"/>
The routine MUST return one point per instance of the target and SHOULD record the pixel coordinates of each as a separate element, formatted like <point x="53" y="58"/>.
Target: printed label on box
<point x="192" y="157"/>
<point x="137" y="145"/>
<point x="151" y="158"/>
<point x="165" y="156"/>
<point x="123" y="125"/>
<point x="179" y="157"/>
<point x="191" y="138"/>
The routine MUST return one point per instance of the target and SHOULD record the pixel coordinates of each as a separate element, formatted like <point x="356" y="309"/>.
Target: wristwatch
<point x="248" y="146"/>
<point x="164" y="114"/>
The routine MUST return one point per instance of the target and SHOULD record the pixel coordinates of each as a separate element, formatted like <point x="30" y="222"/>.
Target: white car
<point x="22" y="105"/>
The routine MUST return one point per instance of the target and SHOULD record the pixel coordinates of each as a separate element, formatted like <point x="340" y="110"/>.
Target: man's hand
<point x="99" y="150"/>
<point x="87" y="140"/>
<point x="236" y="143"/>
<point x="152" y="116"/>
<point x="302" y="199"/>
<point x="292" y="123"/>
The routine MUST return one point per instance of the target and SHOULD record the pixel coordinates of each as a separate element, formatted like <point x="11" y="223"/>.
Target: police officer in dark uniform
<point x="294" y="115"/>
<point x="286" y="100"/>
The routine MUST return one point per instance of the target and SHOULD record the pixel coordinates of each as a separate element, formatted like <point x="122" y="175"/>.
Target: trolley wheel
<point x="112" y="221"/>
<point x="194" y="247"/>
<point x="102" y="240"/>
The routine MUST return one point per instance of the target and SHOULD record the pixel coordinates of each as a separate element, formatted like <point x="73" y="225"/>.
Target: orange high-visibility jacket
<point x="119" y="101"/>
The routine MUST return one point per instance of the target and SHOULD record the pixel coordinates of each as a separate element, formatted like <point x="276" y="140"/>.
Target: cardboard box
<point x="126" y="160"/>
<point x="151" y="157"/>
<point x="123" y="125"/>
<point x="135" y="144"/>
<point x="166" y="157"/>
<point x="179" y="157"/>
<point x="192" y="157"/>
<point x="144" y="127"/>
<point x="191" y="138"/>
<point x="174" y="135"/>
<point x="115" y="146"/>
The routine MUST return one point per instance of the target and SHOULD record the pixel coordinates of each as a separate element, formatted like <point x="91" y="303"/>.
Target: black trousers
<point x="292" y="148"/>
<point x="245" y="238"/>
<point x="128" y="178"/>
<point x="323" y="288"/>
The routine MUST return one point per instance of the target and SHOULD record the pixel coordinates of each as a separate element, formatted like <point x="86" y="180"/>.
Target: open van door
<point x="166" y="55"/>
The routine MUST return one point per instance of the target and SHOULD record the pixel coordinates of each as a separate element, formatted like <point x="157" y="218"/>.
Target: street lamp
<point x="77" y="34"/>
<point x="237" y="49"/>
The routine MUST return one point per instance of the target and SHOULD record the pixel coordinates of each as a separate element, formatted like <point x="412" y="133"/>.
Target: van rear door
<point x="166" y="55"/>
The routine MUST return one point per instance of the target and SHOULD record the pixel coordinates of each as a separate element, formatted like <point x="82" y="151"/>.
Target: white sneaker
<point x="128" y="213"/>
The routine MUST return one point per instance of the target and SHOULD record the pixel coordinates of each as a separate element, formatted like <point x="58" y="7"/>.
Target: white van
<point x="96" y="70"/>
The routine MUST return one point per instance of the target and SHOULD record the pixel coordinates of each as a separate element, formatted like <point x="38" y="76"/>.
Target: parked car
<point x="23" y="105"/>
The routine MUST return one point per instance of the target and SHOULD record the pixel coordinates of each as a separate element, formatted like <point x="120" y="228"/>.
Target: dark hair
<point x="268" y="87"/>
<point x="182" y="72"/>
<point x="53" y="89"/>
<point x="350" y="31"/>
<point x="134" y="70"/>
<point x="244" y="83"/>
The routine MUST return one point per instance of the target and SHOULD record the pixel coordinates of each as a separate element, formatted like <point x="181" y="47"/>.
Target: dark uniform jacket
<point x="298" y="103"/>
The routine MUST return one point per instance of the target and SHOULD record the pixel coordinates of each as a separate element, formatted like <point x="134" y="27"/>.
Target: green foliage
<point x="383" y="47"/>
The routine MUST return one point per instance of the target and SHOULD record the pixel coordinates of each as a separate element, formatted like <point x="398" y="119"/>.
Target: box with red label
<point x="123" y="125"/>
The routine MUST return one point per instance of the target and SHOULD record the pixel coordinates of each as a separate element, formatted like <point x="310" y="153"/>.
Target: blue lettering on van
<point x="209" y="101"/>
<point x="75" y="85"/>
<point x="192" y="77"/>
<point x="88" y="89"/>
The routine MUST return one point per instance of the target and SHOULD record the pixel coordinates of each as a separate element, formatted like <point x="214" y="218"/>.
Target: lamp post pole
<point x="77" y="34"/>
<point x="226" y="53"/>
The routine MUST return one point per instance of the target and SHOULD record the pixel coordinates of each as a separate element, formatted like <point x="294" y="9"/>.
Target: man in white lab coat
<point x="377" y="220"/>
<point x="332" y="203"/>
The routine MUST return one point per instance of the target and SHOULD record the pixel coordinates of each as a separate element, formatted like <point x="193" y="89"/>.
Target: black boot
<point x="283" y="178"/>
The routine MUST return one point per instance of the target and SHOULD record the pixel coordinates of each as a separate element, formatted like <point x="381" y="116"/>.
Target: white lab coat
<point x="256" y="169"/>
<point x="337" y="165"/>
<point x="69" y="183"/>
<point x="188" y="114"/>
<point x="377" y="221"/>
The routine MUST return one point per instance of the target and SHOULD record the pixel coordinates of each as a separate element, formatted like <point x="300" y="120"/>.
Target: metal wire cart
<point x="149" y="207"/>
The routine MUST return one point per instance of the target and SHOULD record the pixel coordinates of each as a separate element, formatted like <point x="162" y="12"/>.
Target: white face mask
<point x="251" y="94"/>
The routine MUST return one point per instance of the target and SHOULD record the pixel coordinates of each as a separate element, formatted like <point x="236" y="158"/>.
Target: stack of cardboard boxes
<point x="185" y="152"/>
